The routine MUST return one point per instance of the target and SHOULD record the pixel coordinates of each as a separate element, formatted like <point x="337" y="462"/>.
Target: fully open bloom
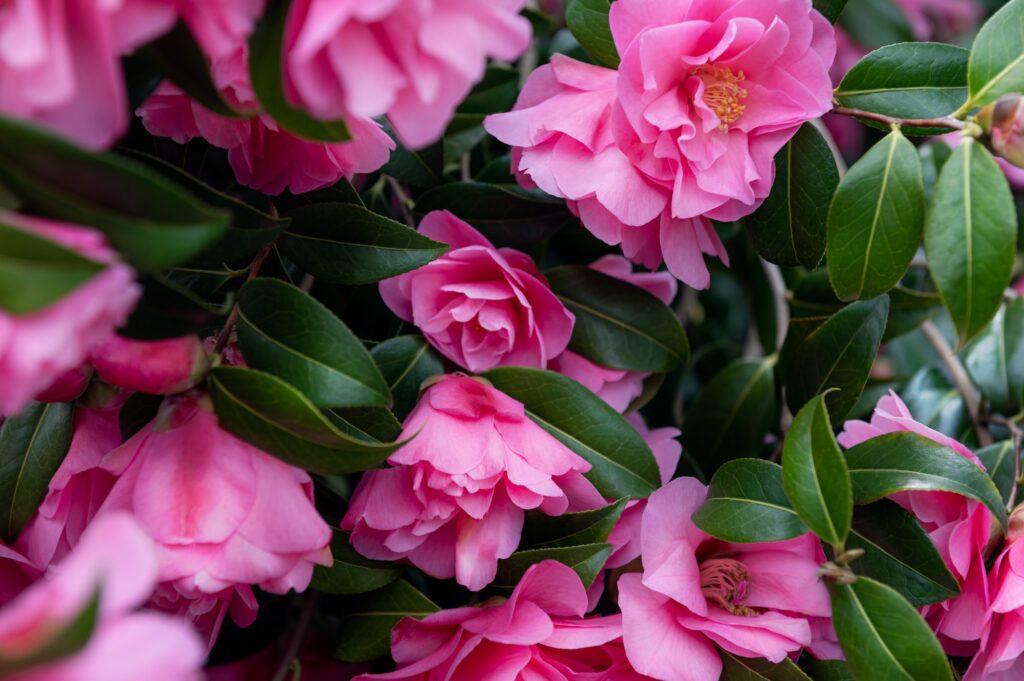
<point x="224" y="515"/>
<point x="685" y="130"/>
<point x="480" y="306"/>
<point x="161" y="367"/>
<point x="117" y="563"/>
<point x="38" y="348"/>
<point x="454" y="501"/>
<point x="696" y="592"/>
<point x="959" y="527"/>
<point x="414" y="60"/>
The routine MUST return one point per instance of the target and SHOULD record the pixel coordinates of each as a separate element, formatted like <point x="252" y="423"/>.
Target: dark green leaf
<point x="622" y="463"/>
<point x="995" y="359"/>
<point x="998" y="461"/>
<point x="365" y="630"/>
<point x="830" y="9"/>
<point x="883" y="636"/>
<point x="33" y="444"/>
<point x="736" y="668"/>
<point x="571" y="529"/>
<point x="350" y="573"/>
<point x="898" y="552"/>
<point x="405" y="362"/>
<point x="423" y="168"/>
<point x="348" y="244"/>
<point x="830" y="670"/>
<point x="36" y="272"/>
<point x="970" y="237"/>
<point x="997" y="57"/>
<point x="373" y="424"/>
<point x="588" y="21"/>
<point x="68" y="639"/>
<point x="168" y="310"/>
<point x="586" y="560"/>
<point x="908" y="309"/>
<point x="619" y="325"/>
<point x="136" y="412"/>
<point x="747" y="503"/>
<point x="876" y="23"/>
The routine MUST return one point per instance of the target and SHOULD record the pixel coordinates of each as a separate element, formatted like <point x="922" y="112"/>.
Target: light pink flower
<point x="480" y="306"/>
<point x="225" y="516"/>
<point x="959" y="527"/>
<point x="453" y="503"/>
<point x="38" y="348"/>
<point x="162" y="367"/>
<point x="220" y="26"/>
<point x="685" y="130"/>
<point x="696" y="592"/>
<point x="414" y="60"/>
<point x="117" y="561"/>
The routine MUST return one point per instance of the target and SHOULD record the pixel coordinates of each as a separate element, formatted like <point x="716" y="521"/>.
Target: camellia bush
<point x="495" y="340"/>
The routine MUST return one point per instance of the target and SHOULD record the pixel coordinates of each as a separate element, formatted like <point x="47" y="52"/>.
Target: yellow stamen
<point x="722" y="93"/>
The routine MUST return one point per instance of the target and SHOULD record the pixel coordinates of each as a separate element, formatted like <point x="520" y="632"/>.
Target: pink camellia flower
<point x="117" y="563"/>
<point x="414" y="60"/>
<point x="959" y="527"/>
<point x="519" y="639"/>
<point x="17" y="573"/>
<point x="685" y="130"/>
<point x="68" y="386"/>
<point x="220" y="26"/>
<point x="224" y="515"/>
<point x="162" y="367"/>
<point x="480" y="306"/>
<point x="60" y="62"/>
<point x="38" y="348"/>
<point x="453" y="503"/>
<point x="696" y="592"/>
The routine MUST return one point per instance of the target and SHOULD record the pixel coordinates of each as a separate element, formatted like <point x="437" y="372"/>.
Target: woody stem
<point x="945" y="122"/>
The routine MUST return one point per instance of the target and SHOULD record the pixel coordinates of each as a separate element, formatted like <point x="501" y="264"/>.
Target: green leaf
<point x="899" y="462"/>
<point x="405" y="362"/>
<point x="272" y="415"/>
<point x="348" y="244"/>
<point x="33" y="444"/>
<point x="997" y="57"/>
<point x="970" y="237"/>
<point x="874" y="224"/>
<point x="588" y="21"/>
<point x="814" y="474"/>
<point x="364" y="632"/>
<point x="995" y="359"/>
<point x="153" y="222"/>
<point x="168" y="309"/>
<point x="265" y="54"/>
<point x="830" y="9"/>
<point x="998" y="461"/>
<point x="736" y="668"/>
<point x="876" y="23"/>
<point x="36" y="272"/>
<point x="69" y="639"/>
<point x="423" y="168"/>
<point x="898" y="552"/>
<point x="619" y="325"/>
<point x="838" y="354"/>
<point x="622" y="463"/>
<point x="883" y="636"/>
<point x="373" y="424"/>
<point x="571" y="529"/>
<point x="732" y="413"/>
<point x="586" y="560"/>
<point x="286" y="332"/>
<point x="350" y="573"/>
<point x="789" y="227"/>
<point x="908" y="80"/>
<point x="747" y="503"/>
<point x="830" y="670"/>
<point x="908" y="309"/>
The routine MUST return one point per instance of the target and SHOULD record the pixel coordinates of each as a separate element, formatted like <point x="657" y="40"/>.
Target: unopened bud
<point x="68" y="385"/>
<point x="162" y="367"/>
<point x="1003" y="120"/>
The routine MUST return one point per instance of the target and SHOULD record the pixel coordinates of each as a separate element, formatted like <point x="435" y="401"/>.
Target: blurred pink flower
<point x="220" y="26"/>
<point x="414" y="60"/>
<point x="162" y="367"/>
<point x="696" y="592"/>
<point x="480" y="306"/>
<point x="117" y="562"/>
<point x="685" y="130"/>
<point x="454" y="501"/>
<point x="38" y="348"/>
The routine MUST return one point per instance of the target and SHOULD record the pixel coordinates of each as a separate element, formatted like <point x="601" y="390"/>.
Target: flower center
<point x="725" y="581"/>
<point x="723" y="93"/>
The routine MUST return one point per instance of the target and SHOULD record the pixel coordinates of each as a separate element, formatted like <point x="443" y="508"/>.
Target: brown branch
<point x="229" y="325"/>
<point x="946" y="122"/>
<point x="959" y="376"/>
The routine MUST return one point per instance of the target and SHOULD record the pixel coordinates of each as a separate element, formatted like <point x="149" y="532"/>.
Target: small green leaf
<point x="815" y="476"/>
<point x="588" y="21"/>
<point x="586" y="560"/>
<point x="571" y="529"/>
<point x="970" y="237"/>
<point x="997" y="57"/>
<point x="747" y="503"/>
<point x="405" y="362"/>
<point x="33" y="444"/>
<point x="883" y="636"/>
<point x="619" y="325"/>
<point x="350" y="573"/>
<point x="622" y="463"/>
<point x="736" y="668"/>
<point x="36" y="272"/>
<point x="364" y="632"/>
<point x="998" y="461"/>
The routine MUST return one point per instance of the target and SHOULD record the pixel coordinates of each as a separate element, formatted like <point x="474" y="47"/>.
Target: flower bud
<point x="1003" y="120"/>
<point x="68" y="385"/>
<point x="163" y="367"/>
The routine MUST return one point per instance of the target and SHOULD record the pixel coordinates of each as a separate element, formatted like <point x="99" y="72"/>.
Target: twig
<point x="959" y="376"/>
<point x="403" y="199"/>
<point x="945" y="122"/>
<point x="1017" y="435"/>
<point x="229" y="325"/>
<point x="298" y="637"/>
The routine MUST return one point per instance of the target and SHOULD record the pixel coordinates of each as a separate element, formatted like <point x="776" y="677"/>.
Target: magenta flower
<point x="162" y="367"/>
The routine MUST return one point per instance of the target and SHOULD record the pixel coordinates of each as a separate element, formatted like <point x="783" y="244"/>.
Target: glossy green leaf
<point x="68" y="638"/>
<point x="285" y="331"/>
<point x="571" y="529"/>
<point x="588" y="21"/>
<point x="830" y="670"/>
<point x="747" y="503"/>
<point x="33" y="444"/>
<point x="348" y="244"/>
<point x="883" y="636"/>
<point x="997" y="56"/>
<point x="898" y="552"/>
<point x="373" y="424"/>
<point x="586" y="560"/>
<point x="904" y="461"/>
<point x="350" y="573"/>
<point x="619" y="325"/>
<point x="838" y="354"/>
<point x="36" y="272"/>
<point x="272" y="415"/>
<point x="814" y="474"/>
<point x="876" y="23"/>
<point x="789" y="227"/>
<point x="153" y="222"/>
<point x="874" y="224"/>
<point x="998" y="461"/>
<point x="830" y="9"/>
<point x="622" y="463"/>
<point x="423" y="168"/>
<point x="908" y="309"/>
<point x="732" y="413"/>
<point x="970" y="237"/>
<point x="736" y="668"/>
<point x="364" y="632"/>
<point x="995" y="359"/>
<point x="405" y="362"/>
